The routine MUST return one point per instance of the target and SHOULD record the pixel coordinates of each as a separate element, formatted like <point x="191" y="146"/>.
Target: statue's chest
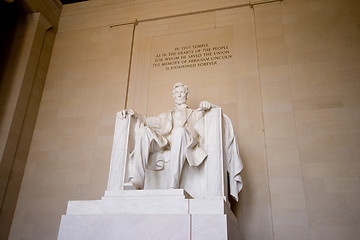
<point x="179" y="117"/>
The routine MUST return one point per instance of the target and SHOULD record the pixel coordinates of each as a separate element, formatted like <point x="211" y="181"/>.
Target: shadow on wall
<point x="9" y="15"/>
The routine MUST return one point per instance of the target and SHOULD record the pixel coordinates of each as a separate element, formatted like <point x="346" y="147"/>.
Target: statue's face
<point x="180" y="95"/>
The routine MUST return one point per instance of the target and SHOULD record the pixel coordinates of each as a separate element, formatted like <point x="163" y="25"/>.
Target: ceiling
<point x="71" y="1"/>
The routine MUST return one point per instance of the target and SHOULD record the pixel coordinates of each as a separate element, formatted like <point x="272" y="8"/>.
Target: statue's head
<point x="180" y="93"/>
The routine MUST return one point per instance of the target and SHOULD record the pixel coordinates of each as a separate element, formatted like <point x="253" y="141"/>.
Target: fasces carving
<point x="184" y="135"/>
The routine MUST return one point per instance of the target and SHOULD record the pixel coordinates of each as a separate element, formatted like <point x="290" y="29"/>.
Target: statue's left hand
<point x="205" y="106"/>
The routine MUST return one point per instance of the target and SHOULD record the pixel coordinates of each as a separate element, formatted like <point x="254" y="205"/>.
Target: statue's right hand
<point x="125" y="112"/>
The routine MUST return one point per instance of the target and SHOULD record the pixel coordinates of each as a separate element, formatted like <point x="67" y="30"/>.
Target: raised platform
<point x="149" y="214"/>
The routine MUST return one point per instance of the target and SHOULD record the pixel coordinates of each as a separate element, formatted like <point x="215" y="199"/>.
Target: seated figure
<point x="174" y="131"/>
<point x="178" y="136"/>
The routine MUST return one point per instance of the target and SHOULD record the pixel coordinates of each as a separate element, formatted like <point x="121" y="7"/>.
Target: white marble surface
<point x="172" y="201"/>
<point x="207" y="206"/>
<point x="148" y="226"/>
<point x="127" y="227"/>
<point x="219" y="227"/>
<point x="128" y="206"/>
<point x="119" y="155"/>
<point x="149" y="214"/>
<point x="149" y="193"/>
<point x="211" y="206"/>
<point x="208" y="227"/>
<point x="166" y="201"/>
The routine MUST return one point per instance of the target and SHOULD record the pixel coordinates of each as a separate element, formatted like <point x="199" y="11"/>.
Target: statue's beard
<point x="180" y="101"/>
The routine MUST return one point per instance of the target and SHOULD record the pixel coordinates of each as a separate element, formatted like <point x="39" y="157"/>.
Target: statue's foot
<point x="131" y="185"/>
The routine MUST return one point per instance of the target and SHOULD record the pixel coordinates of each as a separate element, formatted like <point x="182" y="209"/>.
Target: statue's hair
<point x="179" y="84"/>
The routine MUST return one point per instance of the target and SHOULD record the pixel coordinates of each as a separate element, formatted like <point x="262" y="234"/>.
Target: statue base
<point x="149" y="214"/>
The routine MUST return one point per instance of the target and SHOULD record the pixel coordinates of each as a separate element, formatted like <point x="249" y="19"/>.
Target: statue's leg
<point x="140" y="158"/>
<point x="179" y="140"/>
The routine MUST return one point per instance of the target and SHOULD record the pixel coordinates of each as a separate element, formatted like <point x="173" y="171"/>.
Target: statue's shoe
<point x="131" y="185"/>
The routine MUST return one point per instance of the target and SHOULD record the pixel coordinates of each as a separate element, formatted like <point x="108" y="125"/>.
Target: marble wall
<point x="309" y="70"/>
<point x="291" y="88"/>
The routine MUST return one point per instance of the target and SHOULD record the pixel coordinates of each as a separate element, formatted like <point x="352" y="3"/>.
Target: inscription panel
<point x="190" y="56"/>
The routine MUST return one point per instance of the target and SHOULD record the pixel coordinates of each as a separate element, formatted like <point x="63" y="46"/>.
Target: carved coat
<point x="162" y="126"/>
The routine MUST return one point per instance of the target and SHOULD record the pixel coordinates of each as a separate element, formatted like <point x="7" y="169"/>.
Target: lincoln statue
<point x="175" y="131"/>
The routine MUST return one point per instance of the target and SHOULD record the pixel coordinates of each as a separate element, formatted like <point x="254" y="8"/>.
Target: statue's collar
<point x="180" y="106"/>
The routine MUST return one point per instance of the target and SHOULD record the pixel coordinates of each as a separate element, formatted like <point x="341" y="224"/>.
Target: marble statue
<point x="178" y="133"/>
<point x="174" y="130"/>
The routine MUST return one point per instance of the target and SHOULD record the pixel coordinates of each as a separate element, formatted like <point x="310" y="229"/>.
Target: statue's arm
<point x="152" y="122"/>
<point x="156" y="122"/>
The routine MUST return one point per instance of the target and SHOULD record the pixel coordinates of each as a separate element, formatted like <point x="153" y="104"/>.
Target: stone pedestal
<point x="149" y="214"/>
